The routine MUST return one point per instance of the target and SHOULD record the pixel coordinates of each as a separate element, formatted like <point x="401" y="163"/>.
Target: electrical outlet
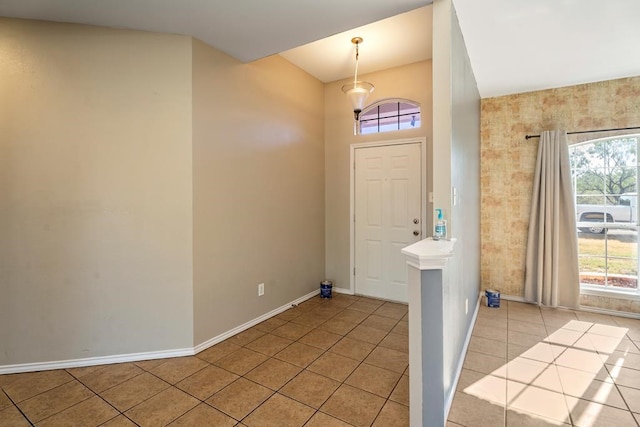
<point x="261" y="289"/>
<point x="466" y="306"/>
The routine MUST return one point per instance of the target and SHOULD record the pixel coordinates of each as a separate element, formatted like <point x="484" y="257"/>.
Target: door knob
<point x="416" y="220"/>
<point x="416" y="233"/>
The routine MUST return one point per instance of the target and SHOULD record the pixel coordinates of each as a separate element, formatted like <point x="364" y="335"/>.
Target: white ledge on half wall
<point x="429" y="254"/>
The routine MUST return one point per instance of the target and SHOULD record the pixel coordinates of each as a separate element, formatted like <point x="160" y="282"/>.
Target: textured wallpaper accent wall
<point x="508" y="164"/>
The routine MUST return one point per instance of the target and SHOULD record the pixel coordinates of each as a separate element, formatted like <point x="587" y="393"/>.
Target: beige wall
<point x="258" y="181"/>
<point x="508" y="164"/>
<point x="95" y="192"/>
<point x="411" y="82"/>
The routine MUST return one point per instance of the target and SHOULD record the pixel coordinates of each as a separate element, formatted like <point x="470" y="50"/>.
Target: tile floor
<point x="344" y="362"/>
<point x="528" y="366"/>
<point x="337" y="362"/>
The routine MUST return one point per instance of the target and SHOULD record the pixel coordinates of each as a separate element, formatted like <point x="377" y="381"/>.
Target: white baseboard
<point x="461" y="357"/>
<point x="137" y="357"/>
<point x="217" y="339"/>
<point x="92" y="361"/>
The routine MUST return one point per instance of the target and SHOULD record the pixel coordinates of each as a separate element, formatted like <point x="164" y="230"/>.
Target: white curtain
<point x="552" y="277"/>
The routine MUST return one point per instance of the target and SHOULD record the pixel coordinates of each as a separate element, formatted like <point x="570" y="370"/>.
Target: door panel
<point x="387" y="200"/>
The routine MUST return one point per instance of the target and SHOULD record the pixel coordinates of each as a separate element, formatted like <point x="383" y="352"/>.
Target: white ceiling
<point x="514" y="45"/>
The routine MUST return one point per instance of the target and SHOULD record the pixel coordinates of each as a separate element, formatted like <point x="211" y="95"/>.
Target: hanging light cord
<point x="355" y="78"/>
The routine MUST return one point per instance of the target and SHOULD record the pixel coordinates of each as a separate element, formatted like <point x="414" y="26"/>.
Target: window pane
<point x="390" y="115"/>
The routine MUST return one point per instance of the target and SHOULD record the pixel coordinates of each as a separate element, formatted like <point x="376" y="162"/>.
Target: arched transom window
<point x="390" y="115"/>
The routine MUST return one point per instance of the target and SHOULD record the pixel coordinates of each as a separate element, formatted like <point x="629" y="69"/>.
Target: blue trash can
<point x="325" y="288"/>
<point x="493" y="298"/>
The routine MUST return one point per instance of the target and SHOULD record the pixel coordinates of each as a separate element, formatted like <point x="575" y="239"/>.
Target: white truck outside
<point x="625" y="212"/>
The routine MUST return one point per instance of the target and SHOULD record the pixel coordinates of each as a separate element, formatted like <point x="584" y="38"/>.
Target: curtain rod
<point x="587" y="131"/>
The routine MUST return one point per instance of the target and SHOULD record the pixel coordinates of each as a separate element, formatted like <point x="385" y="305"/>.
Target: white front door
<point x="387" y="217"/>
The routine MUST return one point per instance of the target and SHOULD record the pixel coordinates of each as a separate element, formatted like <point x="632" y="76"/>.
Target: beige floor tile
<point x="279" y="411"/>
<point x="367" y="334"/>
<point x="91" y="412"/>
<point x="204" y="383"/>
<point x="110" y="376"/>
<point x="601" y="319"/>
<point x="269" y="344"/>
<point x="175" y="370"/>
<point x="608" y="330"/>
<point x="242" y="361"/>
<point x="273" y="373"/>
<point x="353" y="406"/>
<point x="518" y="419"/>
<point x="452" y="424"/>
<point x="23" y="386"/>
<point x="581" y="359"/>
<point x="489" y="332"/>
<point x="83" y="370"/>
<point x="557" y="317"/>
<point x="396" y="342"/>
<point x="354" y="349"/>
<point x="626" y="377"/>
<point x="522" y="339"/>
<point x="162" y="408"/>
<point x="128" y="394"/>
<point x="310" y="388"/>
<point x="392" y="415"/>
<point x="239" y="398"/>
<point x="320" y="419"/>
<point x="536" y="329"/>
<point x="467" y="378"/>
<point x="388" y="358"/>
<point x="468" y="410"/>
<point x="539" y="374"/>
<point x="311" y="319"/>
<point x="119" y="421"/>
<point x="395" y="312"/>
<point x="564" y="337"/>
<point x="577" y="325"/>
<point x="373" y="379"/>
<point x="587" y="414"/>
<point x="298" y="354"/>
<point x="55" y="400"/>
<point x="11" y="417"/>
<point x="400" y="393"/>
<point x="333" y="366"/>
<point x="637" y="417"/>
<point x="525" y="316"/>
<point x="401" y="328"/>
<point x="320" y="339"/>
<point x="338" y="326"/>
<point x="582" y="385"/>
<point x="575" y="381"/>
<point x="245" y="337"/>
<point x="487" y="346"/>
<point x="488" y="388"/>
<point x="632" y="397"/>
<point x="290" y="314"/>
<point x="147" y="365"/>
<point x="380" y="322"/>
<point x="484" y="363"/>
<point x="365" y="306"/>
<point x="218" y="351"/>
<point x="350" y="315"/>
<point x="537" y="401"/>
<point x="618" y="358"/>
<point x="292" y="331"/>
<point x="4" y="401"/>
<point x="608" y="345"/>
<point x="270" y="324"/>
<point x="541" y="352"/>
<point x="204" y="415"/>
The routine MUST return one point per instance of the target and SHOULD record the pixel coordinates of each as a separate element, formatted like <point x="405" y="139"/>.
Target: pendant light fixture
<point x="357" y="91"/>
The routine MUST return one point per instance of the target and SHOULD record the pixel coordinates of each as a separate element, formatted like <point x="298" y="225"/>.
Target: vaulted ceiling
<point x="514" y="45"/>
